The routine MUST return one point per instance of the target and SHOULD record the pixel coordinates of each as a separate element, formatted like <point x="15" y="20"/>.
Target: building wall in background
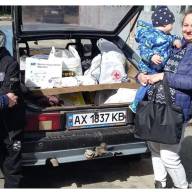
<point x="146" y="16"/>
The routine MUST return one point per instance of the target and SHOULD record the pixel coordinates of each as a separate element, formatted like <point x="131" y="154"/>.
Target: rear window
<point x="97" y="18"/>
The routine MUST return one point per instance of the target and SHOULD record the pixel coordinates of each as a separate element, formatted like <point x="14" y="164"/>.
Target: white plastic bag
<point x="106" y="46"/>
<point x="70" y="59"/>
<point x="66" y="82"/>
<point x="112" y="67"/>
<point x="86" y="80"/>
<point x="108" y="67"/>
<point x="74" y="81"/>
<point x="94" y="70"/>
<point x="123" y="95"/>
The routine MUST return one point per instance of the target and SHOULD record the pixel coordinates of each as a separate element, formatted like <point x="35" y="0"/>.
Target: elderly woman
<point x="178" y="72"/>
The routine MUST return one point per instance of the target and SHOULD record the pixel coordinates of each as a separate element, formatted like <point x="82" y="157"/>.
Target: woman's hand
<point x="155" y="78"/>
<point x="143" y="79"/>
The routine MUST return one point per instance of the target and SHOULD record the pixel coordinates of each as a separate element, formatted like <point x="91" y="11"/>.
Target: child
<point x="8" y="100"/>
<point x="155" y="46"/>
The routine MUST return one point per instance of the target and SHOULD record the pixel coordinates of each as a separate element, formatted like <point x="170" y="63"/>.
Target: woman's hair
<point x="188" y="12"/>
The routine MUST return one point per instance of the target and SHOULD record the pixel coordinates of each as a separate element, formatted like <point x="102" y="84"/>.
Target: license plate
<point x="96" y="119"/>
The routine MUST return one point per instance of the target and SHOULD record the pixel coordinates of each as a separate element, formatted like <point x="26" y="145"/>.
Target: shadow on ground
<point x="83" y="173"/>
<point x="104" y="170"/>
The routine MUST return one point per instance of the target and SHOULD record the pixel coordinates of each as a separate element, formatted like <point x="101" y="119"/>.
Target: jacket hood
<point x="142" y="28"/>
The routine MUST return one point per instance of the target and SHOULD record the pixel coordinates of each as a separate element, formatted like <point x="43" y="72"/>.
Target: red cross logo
<point x="116" y="75"/>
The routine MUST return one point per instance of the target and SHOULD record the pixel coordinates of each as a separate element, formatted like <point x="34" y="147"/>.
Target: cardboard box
<point x="42" y="72"/>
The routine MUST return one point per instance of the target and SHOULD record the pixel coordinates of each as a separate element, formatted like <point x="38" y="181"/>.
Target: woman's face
<point x="187" y="27"/>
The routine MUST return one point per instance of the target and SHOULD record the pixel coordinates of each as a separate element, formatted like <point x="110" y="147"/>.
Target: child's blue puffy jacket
<point x="152" y="41"/>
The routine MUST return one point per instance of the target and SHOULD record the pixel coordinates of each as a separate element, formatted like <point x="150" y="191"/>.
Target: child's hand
<point x="12" y="99"/>
<point x="177" y="43"/>
<point x="156" y="59"/>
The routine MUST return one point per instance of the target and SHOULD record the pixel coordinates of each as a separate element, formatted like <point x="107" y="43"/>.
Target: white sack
<point x="112" y="67"/>
<point x="108" y="67"/>
<point x="123" y="95"/>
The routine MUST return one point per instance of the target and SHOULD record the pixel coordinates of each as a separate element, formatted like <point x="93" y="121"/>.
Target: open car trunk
<point x="77" y="69"/>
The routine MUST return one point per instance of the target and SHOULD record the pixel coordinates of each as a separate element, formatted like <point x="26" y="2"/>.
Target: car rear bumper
<point x="70" y="146"/>
<point x="74" y="155"/>
<point x="73" y="139"/>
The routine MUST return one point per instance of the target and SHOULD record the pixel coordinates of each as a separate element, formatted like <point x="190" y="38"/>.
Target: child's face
<point x="168" y="28"/>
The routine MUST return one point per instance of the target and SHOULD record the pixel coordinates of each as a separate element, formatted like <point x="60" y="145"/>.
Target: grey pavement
<point x="124" y="172"/>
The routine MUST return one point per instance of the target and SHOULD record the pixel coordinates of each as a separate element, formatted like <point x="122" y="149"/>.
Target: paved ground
<point x="128" y="172"/>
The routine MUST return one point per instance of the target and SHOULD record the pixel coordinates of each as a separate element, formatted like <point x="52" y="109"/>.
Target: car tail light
<point x="43" y="122"/>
